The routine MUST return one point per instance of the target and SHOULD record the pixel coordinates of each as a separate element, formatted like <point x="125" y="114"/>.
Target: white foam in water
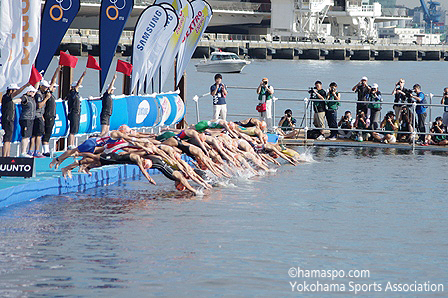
<point x="307" y="156"/>
<point x="200" y="192"/>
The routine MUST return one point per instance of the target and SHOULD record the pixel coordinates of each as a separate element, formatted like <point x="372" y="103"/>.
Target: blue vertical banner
<point x="57" y="17"/>
<point x="113" y="17"/>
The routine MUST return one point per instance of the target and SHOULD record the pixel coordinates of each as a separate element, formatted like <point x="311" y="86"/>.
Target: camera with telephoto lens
<point x="311" y="90"/>
<point x="408" y="92"/>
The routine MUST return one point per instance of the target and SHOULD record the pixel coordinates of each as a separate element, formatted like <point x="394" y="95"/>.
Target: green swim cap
<point x="201" y="126"/>
<point x="165" y="136"/>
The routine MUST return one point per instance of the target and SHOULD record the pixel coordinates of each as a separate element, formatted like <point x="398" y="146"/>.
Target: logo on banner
<point x="57" y="10"/>
<point x="17" y="167"/>
<point x="142" y="111"/>
<point x="112" y="11"/>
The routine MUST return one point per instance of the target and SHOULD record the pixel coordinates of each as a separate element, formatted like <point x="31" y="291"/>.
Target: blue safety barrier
<point x="136" y="111"/>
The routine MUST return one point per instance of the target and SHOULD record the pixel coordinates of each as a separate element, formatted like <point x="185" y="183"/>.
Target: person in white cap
<point x="27" y="118"/>
<point x="375" y="107"/>
<point x="49" y="113"/>
<point x="8" y="116"/>
<point x="362" y="89"/>
<point x="39" y="125"/>
<point x="107" y="107"/>
<point x="74" y="110"/>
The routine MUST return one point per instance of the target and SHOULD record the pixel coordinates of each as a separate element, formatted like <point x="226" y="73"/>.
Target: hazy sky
<point x="414" y="3"/>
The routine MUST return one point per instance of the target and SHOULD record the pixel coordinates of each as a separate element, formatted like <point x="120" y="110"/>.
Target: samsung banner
<point x="150" y="23"/>
<point x="56" y="19"/>
<point x="5" y="34"/>
<point x="30" y="37"/>
<point x="164" y="37"/>
<point x="14" y="42"/>
<point x="202" y="15"/>
<point x="185" y="14"/>
<point x="113" y="17"/>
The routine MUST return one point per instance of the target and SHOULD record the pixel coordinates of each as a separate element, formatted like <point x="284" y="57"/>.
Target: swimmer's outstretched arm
<point x="180" y="177"/>
<point x="139" y="161"/>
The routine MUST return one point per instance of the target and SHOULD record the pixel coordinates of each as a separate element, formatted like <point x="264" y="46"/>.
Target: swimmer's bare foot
<point x="66" y="172"/>
<point x="54" y="163"/>
<point x="84" y="169"/>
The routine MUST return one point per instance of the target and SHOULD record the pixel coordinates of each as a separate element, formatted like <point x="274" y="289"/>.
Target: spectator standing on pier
<point x="445" y="102"/>
<point x="265" y="92"/>
<point x="38" y="126"/>
<point x="400" y="97"/>
<point x="420" y="110"/>
<point x="219" y="93"/>
<point x="107" y="107"/>
<point x="49" y="113"/>
<point x="74" y="110"/>
<point x="362" y="89"/>
<point x="374" y="107"/>
<point x="331" y="112"/>
<point x="319" y="95"/>
<point x="27" y="118"/>
<point x="8" y="116"/>
<point x="346" y="123"/>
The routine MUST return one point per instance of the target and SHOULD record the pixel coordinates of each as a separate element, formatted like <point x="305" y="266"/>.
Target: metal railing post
<point x="305" y="109"/>
<point x="430" y="108"/>
<point x="414" y="133"/>
<point x="196" y="99"/>
<point x="274" y="99"/>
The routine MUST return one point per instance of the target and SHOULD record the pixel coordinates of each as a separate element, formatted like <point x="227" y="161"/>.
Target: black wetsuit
<point x="248" y="124"/>
<point x="184" y="148"/>
<point x="114" y="158"/>
<point x="159" y="164"/>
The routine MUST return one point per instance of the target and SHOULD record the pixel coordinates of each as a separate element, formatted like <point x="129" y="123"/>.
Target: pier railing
<point x="304" y="106"/>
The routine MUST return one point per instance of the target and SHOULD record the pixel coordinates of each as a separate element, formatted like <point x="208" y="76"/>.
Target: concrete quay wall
<point x="291" y="50"/>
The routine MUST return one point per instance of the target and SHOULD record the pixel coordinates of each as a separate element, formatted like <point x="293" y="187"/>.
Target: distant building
<point x="386" y="3"/>
<point x="408" y="35"/>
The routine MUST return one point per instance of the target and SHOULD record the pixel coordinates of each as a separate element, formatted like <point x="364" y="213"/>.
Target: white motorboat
<point x="222" y="62"/>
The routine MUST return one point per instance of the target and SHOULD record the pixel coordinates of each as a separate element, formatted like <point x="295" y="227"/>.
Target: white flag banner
<point x="202" y="15"/>
<point x="185" y="13"/>
<point x="150" y="23"/>
<point x="31" y="12"/>
<point x="5" y="34"/>
<point x="14" y="43"/>
<point x="156" y="55"/>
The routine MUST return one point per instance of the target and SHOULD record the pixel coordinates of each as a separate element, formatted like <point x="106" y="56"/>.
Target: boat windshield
<point x="224" y="57"/>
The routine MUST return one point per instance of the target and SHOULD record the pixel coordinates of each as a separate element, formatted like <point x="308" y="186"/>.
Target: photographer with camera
<point x="318" y="95"/>
<point x="420" y="110"/>
<point x="445" y="102"/>
<point x="265" y="92"/>
<point x="437" y="127"/>
<point x="375" y="107"/>
<point x="346" y="123"/>
<point x="390" y="127"/>
<point x="287" y="125"/>
<point x="405" y="124"/>
<point x="362" y="89"/>
<point x="361" y="123"/>
<point x="400" y="96"/>
<point x="219" y="93"/>
<point x="331" y="113"/>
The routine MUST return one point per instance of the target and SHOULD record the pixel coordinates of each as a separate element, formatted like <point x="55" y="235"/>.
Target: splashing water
<point x="307" y="156"/>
